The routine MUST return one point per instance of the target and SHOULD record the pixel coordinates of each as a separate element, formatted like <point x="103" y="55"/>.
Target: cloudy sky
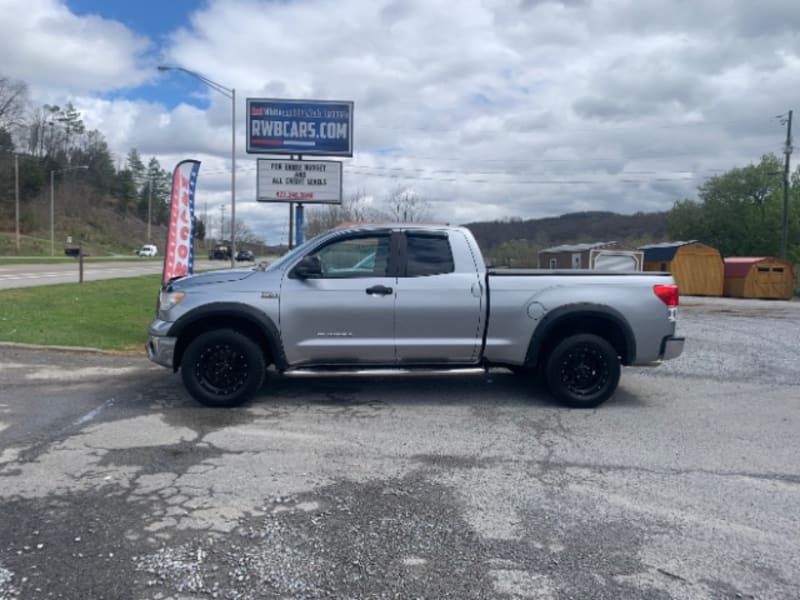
<point x="487" y="109"/>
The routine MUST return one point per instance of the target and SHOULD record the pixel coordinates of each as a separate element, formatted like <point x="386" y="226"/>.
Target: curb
<point x="80" y="349"/>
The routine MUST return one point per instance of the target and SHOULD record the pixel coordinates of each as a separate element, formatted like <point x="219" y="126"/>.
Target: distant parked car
<point x="245" y="255"/>
<point x="147" y="250"/>
<point x="220" y="252"/>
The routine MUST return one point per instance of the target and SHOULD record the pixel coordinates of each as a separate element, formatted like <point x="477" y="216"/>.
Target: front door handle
<point x="380" y="290"/>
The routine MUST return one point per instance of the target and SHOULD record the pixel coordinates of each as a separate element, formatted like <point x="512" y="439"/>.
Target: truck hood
<point x="210" y="278"/>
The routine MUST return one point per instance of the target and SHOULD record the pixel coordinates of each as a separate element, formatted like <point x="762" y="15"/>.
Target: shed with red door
<point x="759" y="277"/>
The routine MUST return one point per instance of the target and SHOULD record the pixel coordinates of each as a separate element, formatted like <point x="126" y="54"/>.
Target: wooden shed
<point x="605" y="256"/>
<point x="759" y="277"/>
<point x="698" y="269"/>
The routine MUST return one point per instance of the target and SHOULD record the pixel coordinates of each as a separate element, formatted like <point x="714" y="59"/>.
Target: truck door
<point x="346" y="314"/>
<point x="439" y="305"/>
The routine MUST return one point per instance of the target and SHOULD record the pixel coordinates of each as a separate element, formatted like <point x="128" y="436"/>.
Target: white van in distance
<point x="147" y="250"/>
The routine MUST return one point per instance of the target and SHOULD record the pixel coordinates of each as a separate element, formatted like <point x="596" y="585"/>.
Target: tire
<point x="223" y="368"/>
<point x="582" y="371"/>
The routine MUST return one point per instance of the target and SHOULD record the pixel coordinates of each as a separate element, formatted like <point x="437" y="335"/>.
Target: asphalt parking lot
<point x="685" y="485"/>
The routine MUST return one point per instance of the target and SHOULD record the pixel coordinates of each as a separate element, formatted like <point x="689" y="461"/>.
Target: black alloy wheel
<point x="223" y="368"/>
<point x="583" y="371"/>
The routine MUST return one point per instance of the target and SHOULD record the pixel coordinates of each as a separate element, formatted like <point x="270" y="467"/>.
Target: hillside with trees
<point x="109" y="206"/>
<point x="48" y="155"/>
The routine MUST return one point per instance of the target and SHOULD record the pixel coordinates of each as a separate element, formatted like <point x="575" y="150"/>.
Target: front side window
<point x="355" y="257"/>
<point x="428" y="255"/>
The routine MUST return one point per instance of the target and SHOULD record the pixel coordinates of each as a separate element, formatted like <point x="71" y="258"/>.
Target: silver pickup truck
<point x="410" y="297"/>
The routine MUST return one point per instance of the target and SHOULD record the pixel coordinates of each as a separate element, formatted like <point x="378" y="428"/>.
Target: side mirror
<point x="308" y="268"/>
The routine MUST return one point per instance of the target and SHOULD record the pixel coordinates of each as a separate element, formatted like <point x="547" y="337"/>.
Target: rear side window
<point x="428" y="255"/>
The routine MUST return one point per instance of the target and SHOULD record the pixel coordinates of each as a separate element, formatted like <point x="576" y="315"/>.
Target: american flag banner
<point x="179" y="254"/>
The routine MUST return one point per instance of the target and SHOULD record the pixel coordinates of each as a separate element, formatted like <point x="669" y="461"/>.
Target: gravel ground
<point x="685" y="485"/>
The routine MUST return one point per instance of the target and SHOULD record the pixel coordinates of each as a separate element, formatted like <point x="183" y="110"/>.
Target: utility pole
<point x="16" y="196"/>
<point x="149" y="207"/>
<point x="788" y="152"/>
<point x="205" y="224"/>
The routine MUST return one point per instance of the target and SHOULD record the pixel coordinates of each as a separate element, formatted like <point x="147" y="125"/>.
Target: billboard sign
<point x="316" y="127"/>
<point x="311" y="181"/>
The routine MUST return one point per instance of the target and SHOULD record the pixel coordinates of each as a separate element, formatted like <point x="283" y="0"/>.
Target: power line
<point x="667" y="126"/>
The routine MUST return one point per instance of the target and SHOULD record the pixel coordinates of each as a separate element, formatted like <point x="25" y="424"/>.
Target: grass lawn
<point x="111" y="315"/>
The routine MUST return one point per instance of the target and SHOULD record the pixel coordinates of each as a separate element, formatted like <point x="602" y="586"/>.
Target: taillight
<point x="667" y="293"/>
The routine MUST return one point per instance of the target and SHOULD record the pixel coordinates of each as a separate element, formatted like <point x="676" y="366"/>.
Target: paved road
<point x="27" y="275"/>
<point x="685" y="485"/>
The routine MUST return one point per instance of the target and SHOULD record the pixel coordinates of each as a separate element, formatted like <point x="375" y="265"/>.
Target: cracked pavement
<point x="685" y="485"/>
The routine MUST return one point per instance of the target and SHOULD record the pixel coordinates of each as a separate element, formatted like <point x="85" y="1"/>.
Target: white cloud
<point x="54" y="51"/>
<point x="489" y="109"/>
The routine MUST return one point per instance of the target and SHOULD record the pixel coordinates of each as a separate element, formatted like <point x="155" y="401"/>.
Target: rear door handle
<point x="380" y="290"/>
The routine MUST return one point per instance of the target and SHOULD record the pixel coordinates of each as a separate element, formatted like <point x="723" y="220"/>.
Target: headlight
<point x="167" y="300"/>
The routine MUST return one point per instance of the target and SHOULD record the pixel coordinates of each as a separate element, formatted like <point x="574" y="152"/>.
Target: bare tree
<point x="407" y="206"/>
<point x="357" y="208"/>
<point x="13" y="100"/>
<point x="245" y="235"/>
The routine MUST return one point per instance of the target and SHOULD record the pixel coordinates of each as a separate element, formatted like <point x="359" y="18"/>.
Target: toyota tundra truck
<point x="410" y="297"/>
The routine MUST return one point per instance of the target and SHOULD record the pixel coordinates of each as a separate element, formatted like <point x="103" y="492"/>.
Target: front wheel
<point x="582" y="371"/>
<point x="223" y="368"/>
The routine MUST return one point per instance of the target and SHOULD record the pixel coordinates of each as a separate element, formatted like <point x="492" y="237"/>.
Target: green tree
<point x="161" y="189"/>
<point x="135" y="165"/>
<point x="71" y="125"/>
<point x="515" y="253"/>
<point x="739" y="212"/>
<point x="95" y="154"/>
<point x="125" y="191"/>
<point x="686" y="220"/>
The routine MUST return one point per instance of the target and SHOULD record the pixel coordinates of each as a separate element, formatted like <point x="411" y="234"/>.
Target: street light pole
<point x="52" y="214"/>
<point x="53" y="204"/>
<point x="231" y="94"/>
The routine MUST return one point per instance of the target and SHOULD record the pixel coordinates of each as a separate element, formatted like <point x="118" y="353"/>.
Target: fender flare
<point x="579" y="310"/>
<point x="222" y="311"/>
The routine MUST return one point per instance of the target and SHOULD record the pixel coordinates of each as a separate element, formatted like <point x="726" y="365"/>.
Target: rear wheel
<point x="223" y="368"/>
<point x="582" y="371"/>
